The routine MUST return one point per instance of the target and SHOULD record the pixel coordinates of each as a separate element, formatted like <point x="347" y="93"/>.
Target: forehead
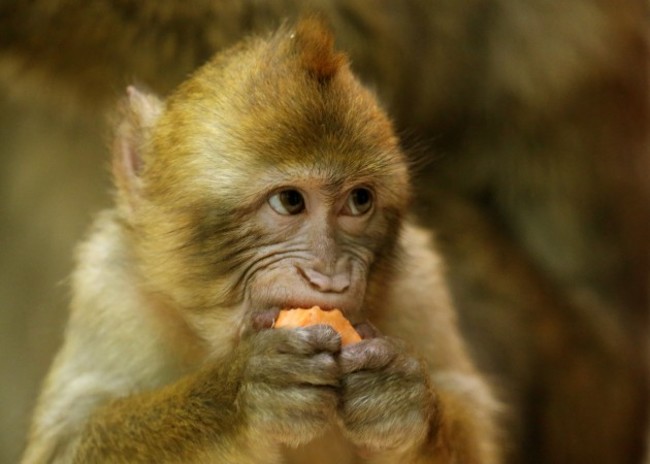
<point x="310" y="133"/>
<point x="243" y="175"/>
<point x="235" y="124"/>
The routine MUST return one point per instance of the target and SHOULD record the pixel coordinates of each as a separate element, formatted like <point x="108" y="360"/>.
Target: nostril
<point x="324" y="283"/>
<point x="340" y="283"/>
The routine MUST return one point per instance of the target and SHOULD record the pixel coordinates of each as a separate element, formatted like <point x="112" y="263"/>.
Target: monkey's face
<point x="284" y="236"/>
<point x="232" y="228"/>
<point x="269" y="190"/>
<point x="318" y="245"/>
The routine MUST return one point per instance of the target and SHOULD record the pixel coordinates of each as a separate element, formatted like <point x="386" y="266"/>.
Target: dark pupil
<point x="361" y="197"/>
<point x="292" y="200"/>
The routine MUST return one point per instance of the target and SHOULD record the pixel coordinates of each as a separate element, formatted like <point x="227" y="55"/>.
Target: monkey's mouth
<point x="285" y="297"/>
<point x="295" y="294"/>
<point x="345" y="305"/>
<point x="307" y="305"/>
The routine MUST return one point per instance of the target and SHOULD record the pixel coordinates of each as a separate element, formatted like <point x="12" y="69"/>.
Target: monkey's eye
<point x="287" y="202"/>
<point x="359" y="202"/>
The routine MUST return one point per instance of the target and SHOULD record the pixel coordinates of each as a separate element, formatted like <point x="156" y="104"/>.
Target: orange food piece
<point x="292" y="318"/>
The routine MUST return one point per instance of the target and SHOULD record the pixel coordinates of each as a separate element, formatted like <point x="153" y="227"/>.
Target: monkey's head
<point x="271" y="178"/>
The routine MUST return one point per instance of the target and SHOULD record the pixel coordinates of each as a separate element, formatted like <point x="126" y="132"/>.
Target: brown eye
<point x="287" y="202"/>
<point x="359" y="202"/>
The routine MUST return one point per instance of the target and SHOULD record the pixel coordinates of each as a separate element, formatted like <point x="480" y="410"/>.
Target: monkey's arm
<point x="237" y="411"/>
<point x="119" y="390"/>
<point x="194" y="416"/>
<point x="433" y="400"/>
<point x="276" y="387"/>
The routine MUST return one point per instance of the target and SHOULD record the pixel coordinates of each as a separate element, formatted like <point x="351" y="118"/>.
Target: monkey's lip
<point x="349" y="303"/>
<point x="325" y="305"/>
<point x="352" y="315"/>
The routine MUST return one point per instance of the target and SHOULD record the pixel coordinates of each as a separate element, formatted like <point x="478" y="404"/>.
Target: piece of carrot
<point x="299" y="317"/>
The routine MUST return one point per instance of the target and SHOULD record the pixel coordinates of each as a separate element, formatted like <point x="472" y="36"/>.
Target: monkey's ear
<point x="139" y="112"/>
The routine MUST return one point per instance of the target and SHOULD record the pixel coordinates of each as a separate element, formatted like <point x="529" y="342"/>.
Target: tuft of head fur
<point x="315" y="43"/>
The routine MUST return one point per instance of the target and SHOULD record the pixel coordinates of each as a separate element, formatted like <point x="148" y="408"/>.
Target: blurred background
<point x="529" y="121"/>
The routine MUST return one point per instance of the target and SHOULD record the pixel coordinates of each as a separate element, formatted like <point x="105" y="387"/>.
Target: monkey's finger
<point x="366" y="330"/>
<point x="308" y="340"/>
<point x="260" y="320"/>
<point x="295" y="403"/>
<point x="284" y="370"/>
<point x="370" y="354"/>
<point x="264" y="319"/>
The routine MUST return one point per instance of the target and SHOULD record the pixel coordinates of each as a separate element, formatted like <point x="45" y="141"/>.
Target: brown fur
<point x="544" y="197"/>
<point x="316" y="45"/>
<point x="194" y="252"/>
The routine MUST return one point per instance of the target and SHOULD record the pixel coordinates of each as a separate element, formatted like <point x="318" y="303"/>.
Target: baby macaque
<point x="270" y="179"/>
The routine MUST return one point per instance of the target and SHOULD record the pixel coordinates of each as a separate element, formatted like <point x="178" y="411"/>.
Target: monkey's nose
<point x="337" y="283"/>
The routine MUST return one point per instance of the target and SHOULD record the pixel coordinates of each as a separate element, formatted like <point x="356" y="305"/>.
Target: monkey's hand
<point x="290" y="381"/>
<point x="387" y="403"/>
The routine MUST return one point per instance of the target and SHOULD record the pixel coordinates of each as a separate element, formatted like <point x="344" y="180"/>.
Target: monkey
<point x="533" y="119"/>
<point x="271" y="178"/>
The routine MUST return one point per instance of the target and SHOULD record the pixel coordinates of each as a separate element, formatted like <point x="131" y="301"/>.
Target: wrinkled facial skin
<point x="284" y="240"/>
<point x="320" y="248"/>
